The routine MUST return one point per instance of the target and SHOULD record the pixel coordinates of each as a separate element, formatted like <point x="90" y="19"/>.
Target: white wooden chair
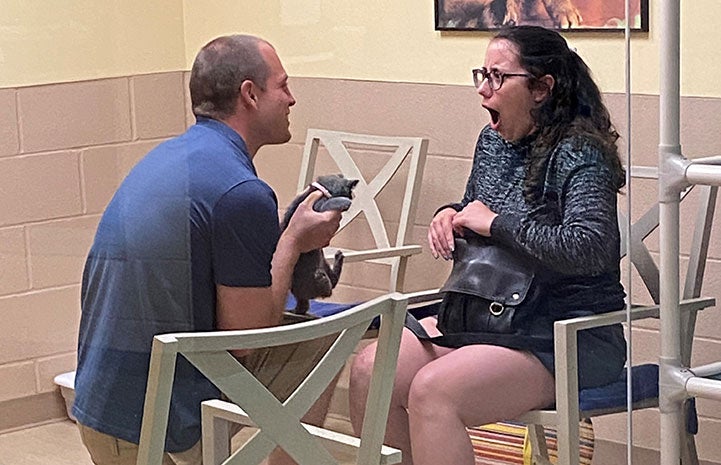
<point x="397" y="163"/>
<point x="572" y="405"/>
<point x="249" y="402"/>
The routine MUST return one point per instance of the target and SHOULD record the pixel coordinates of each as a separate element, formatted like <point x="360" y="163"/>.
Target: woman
<point x="544" y="181"/>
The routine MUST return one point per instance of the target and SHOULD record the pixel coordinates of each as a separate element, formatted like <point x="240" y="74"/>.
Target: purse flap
<point x="489" y="271"/>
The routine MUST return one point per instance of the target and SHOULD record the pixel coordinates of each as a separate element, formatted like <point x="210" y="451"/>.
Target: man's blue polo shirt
<point x="191" y="214"/>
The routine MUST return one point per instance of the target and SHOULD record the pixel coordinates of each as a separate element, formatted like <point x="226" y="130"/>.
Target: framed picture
<point x="566" y="15"/>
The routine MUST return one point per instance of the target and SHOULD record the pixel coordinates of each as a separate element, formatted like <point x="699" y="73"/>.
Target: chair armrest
<point x="350" y="256"/>
<point x="420" y="297"/>
<point x="637" y="313"/>
<point x="566" y="355"/>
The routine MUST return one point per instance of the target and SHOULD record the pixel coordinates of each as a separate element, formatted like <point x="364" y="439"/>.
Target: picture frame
<point x="562" y="15"/>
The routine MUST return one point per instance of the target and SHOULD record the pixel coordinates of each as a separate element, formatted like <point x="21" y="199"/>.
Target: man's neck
<point x="238" y="125"/>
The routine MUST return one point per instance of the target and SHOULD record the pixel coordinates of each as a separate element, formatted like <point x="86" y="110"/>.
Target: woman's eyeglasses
<point x="494" y="77"/>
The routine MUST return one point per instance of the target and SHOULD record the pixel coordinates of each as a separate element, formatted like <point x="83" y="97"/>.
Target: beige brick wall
<point x="64" y="148"/>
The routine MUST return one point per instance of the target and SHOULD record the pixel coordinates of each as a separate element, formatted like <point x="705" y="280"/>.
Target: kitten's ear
<point x="353" y="183"/>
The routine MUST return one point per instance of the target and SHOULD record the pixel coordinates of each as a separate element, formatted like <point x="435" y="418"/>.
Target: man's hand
<point x="309" y="230"/>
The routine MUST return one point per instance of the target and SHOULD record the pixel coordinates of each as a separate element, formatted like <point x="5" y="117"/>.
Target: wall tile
<point x="18" y="380"/>
<point x="39" y="324"/>
<point x="50" y="367"/>
<point x="707" y="441"/>
<point x="9" y="142"/>
<point x="159" y="105"/>
<point x="14" y="268"/>
<point x="450" y="116"/>
<point x="644" y="139"/>
<point x="425" y="272"/>
<point x="58" y="250"/>
<point x="103" y="168"/>
<point x="61" y="116"/>
<point x="708" y="324"/>
<point x="279" y="166"/>
<point x="700" y="140"/>
<point x="444" y="181"/>
<point x="39" y="187"/>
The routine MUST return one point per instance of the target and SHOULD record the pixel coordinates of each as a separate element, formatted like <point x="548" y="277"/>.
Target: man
<point x="189" y="242"/>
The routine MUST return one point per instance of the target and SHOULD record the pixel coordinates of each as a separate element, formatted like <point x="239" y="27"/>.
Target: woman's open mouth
<point x="495" y="116"/>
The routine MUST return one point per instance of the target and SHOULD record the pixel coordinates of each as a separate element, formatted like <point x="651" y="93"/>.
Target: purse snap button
<point x="496" y="308"/>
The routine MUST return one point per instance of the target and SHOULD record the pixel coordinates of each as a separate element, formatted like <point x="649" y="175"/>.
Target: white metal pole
<point x="670" y="179"/>
<point x="629" y="251"/>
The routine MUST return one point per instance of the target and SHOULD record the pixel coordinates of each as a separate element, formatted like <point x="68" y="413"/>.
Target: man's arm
<point x="257" y="307"/>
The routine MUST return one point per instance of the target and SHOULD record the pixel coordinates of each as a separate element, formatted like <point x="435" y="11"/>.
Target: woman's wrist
<point x="455" y="206"/>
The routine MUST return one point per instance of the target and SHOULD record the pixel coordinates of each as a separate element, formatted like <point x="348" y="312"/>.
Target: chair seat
<point x="613" y="395"/>
<point x="320" y="308"/>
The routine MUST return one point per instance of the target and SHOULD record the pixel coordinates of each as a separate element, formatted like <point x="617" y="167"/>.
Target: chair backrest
<point x="611" y="398"/>
<point x="643" y="260"/>
<point x="279" y="421"/>
<point x="390" y="158"/>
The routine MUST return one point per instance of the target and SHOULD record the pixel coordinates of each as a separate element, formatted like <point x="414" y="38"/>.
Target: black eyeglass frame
<point x="502" y="77"/>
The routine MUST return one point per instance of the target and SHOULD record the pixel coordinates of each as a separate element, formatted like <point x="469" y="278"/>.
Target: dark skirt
<point x="601" y="351"/>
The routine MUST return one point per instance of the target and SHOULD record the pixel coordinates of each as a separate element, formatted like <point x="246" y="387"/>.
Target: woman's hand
<point x="476" y="216"/>
<point x="440" y="234"/>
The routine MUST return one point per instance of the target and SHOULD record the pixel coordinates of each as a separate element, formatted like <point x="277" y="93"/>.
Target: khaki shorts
<point x="109" y="450"/>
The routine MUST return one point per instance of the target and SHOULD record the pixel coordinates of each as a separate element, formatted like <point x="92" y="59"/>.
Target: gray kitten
<point x="313" y="276"/>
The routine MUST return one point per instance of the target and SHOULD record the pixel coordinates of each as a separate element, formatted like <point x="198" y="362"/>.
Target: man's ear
<point x="248" y="96"/>
<point x="544" y="87"/>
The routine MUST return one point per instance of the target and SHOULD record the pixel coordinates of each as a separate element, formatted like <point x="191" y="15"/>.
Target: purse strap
<point x="456" y="340"/>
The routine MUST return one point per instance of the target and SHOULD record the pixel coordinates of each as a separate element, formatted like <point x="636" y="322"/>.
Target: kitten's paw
<point x="302" y="306"/>
<point x="334" y="203"/>
<point x="334" y="273"/>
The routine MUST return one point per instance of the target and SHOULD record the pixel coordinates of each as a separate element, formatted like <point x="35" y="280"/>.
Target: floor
<point x="50" y="444"/>
<point x="59" y="444"/>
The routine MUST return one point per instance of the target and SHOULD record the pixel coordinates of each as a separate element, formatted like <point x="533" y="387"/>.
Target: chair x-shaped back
<point x="251" y="403"/>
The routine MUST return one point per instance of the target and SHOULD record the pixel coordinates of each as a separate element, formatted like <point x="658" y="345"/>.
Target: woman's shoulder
<point x="575" y="154"/>
<point x="578" y="150"/>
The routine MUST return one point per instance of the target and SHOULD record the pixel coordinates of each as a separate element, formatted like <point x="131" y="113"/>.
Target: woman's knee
<point x="427" y="396"/>
<point x="362" y="367"/>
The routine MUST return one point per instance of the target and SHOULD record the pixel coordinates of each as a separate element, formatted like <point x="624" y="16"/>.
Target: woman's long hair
<point x="574" y="105"/>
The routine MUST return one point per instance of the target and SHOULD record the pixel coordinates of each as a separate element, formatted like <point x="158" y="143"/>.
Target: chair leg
<point x="539" y="448"/>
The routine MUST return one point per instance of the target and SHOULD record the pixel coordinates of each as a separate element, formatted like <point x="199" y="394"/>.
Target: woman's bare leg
<point x="413" y="355"/>
<point x="473" y="385"/>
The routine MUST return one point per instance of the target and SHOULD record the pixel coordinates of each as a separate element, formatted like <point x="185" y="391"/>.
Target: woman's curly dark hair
<point x="574" y="105"/>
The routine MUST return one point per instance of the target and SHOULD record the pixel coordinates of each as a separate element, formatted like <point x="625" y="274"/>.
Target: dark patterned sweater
<point x="572" y="231"/>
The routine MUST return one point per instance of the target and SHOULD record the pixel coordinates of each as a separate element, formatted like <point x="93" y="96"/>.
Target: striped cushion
<point x="506" y="443"/>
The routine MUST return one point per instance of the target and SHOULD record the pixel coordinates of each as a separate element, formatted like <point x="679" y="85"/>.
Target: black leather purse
<point x="505" y="294"/>
<point x="503" y="282"/>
